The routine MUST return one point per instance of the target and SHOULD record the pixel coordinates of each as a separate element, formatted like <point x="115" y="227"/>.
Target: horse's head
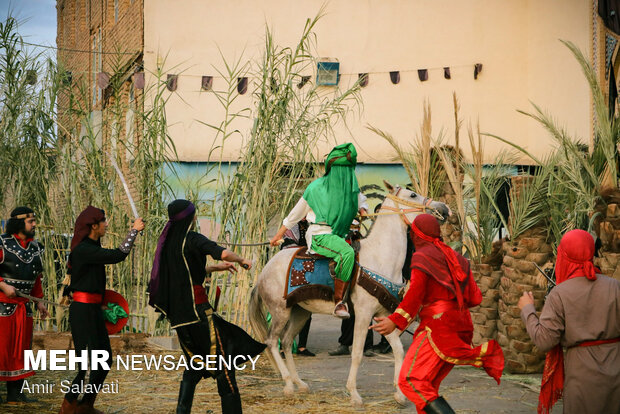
<point x="411" y="204"/>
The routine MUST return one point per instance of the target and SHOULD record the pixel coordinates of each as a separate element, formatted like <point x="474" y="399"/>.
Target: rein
<point x="415" y="208"/>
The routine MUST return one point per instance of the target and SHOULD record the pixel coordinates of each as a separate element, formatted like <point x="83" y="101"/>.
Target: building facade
<point x="500" y="56"/>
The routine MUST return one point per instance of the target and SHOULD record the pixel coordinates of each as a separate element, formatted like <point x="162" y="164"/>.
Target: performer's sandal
<point x="438" y="406"/>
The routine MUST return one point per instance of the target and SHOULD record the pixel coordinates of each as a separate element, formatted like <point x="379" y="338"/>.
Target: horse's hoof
<point x="303" y="387"/>
<point x="289" y="389"/>
<point x="401" y="399"/>
<point x="357" y="402"/>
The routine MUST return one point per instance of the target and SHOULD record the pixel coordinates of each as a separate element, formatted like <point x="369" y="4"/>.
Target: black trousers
<point x="303" y="334"/>
<point x="89" y="333"/>
<point x="196" y="339"/>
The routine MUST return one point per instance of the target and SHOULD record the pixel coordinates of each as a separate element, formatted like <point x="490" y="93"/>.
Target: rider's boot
<point x="341" y="310"/>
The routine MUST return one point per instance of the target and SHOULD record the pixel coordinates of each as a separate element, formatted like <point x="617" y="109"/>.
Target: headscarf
<point x="334" y="197"/>
<point x="91" y="215"/>
<point x="575" y="254"/>
<point x="170" y="287"/>
<point x="574" y="259"/>
<point x="437" y="259"/>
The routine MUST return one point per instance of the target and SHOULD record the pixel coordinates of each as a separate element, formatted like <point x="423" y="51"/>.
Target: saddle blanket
<point x="308" y="278"/>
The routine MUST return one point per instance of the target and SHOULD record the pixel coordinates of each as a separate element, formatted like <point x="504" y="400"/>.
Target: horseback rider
<point x="330" y="203"/>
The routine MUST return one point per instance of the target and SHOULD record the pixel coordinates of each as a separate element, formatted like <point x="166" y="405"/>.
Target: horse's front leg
<point x="362" y="320"/>
<point x="399" y="353"/>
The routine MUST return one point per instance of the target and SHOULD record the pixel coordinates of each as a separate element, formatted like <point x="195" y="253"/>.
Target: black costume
<point x="176" y="289"/>
<point x="88" y="282"/>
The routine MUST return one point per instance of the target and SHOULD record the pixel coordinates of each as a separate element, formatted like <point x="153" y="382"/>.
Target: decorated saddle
<point x="387" y="293"/>
<point x="308" y="277"/>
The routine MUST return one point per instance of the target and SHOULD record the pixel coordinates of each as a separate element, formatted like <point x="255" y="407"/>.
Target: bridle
<point x="414" y="207"/>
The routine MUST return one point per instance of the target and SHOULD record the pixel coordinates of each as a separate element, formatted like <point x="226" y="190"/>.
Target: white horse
<point x="382" y="252"/>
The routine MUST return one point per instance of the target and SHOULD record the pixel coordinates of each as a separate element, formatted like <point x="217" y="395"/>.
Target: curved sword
<point x="134" y="210"/>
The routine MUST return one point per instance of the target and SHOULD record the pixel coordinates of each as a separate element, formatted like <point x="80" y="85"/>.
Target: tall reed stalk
<point x="53" y="148"/>
<point x="279" y="156"/>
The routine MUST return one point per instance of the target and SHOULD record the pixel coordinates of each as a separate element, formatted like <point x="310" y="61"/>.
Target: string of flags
<point x="326" y="75"/>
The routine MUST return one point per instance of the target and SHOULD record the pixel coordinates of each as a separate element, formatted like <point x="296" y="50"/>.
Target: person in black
<point x="86" y="264"/>
<point x="177" y="290"/>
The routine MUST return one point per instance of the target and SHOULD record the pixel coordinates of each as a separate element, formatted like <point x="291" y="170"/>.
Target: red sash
<point x="85" y="297"/>
<point x="437" y="307"/>
<point x="200" y="294"/>
<point x="599" y="342"/>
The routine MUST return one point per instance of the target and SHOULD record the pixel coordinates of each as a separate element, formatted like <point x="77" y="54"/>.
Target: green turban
<point x="334" y="197"/>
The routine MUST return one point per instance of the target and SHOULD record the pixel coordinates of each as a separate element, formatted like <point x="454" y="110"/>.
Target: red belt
<point x="599" y="342"/>
<point x="85" y="297"/>
<point x="200" y="294"/>
<point x="440" y="306"/>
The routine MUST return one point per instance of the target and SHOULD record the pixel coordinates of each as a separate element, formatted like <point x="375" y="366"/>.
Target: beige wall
<point x="515" y="40"/>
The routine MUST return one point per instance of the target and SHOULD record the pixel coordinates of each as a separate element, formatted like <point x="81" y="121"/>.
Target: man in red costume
<point x="582" y="313"/>
<point x="442" y="285"/>
<point x="20" y="256"/>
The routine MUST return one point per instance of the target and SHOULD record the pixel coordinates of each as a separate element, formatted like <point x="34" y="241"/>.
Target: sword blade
<point x="134" y="210"/>
<point x="49" y="302"/>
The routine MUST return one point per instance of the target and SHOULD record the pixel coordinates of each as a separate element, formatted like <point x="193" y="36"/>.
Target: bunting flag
<point x="477" y="70"/>
<point x="363" y="77"/>
<point x="138" y="80"/>
<point x="423" y="74"/>
<point x="207" y="83"/>
<point x="172" y="82"/>
<point x="103" y="80"/>
<point x="395" y="77"/>
<point x="242" y="85"/>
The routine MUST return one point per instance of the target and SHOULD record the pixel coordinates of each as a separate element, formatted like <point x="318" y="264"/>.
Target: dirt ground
<point x="467" y="389"/>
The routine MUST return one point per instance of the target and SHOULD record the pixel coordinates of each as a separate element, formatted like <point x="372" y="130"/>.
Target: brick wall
<point x="114" y="27"/>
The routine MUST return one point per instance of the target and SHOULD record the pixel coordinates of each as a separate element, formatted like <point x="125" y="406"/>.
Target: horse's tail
<point x="258" y="322"/>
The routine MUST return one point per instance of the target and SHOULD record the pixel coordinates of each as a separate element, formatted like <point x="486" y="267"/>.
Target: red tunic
<point x="443" y="338"/>
<point x="16" y="331"/>
<point x="448" y="329"/>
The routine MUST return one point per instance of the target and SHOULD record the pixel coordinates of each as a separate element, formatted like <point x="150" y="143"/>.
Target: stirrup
<point x="341" y="313"/>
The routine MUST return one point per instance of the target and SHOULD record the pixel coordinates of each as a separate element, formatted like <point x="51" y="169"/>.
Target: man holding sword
<point x="20" y="273"/>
